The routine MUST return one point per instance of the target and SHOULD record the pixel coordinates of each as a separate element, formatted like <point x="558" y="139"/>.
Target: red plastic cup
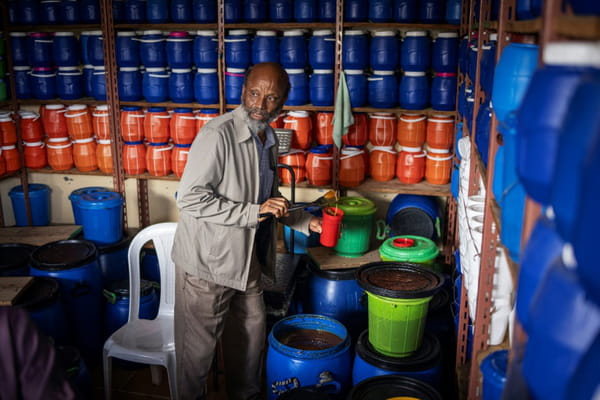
<point x="331" y="226"/>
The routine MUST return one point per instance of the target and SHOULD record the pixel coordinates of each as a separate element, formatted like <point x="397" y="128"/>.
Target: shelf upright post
<point x="339" y="34"/>
<point x="221" y="54"/>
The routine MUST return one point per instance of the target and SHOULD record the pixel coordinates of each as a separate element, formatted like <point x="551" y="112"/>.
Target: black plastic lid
<point x="121" y="288"/>
<point x="399" y="280"/>
<point x="304" y="394"/>
<point x="426" y="357"/>
<point x="121" y="244"/>
<point x="389" y="386"/>
<point x="439" y="302"/>
<point x="14" y="255"/>
<point x="412" y="221"/>
<point x="64" y="254"/>
<point x="332" y="274"/>
<point x="41" y="292"/>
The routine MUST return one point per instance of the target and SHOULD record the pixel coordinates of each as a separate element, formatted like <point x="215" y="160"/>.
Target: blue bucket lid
<point x="77" y="193"/>
<point x="209" y="111"/>
<point x="64" y="254"/>
<point x="322" y="149"/>
<point x="494" y="366"/>
<point x="157" y="109"/>
<point x="34" y="189"/>
<point x="182" y="110"/>
<point x="100" y="200"/>
<point x="132" y="108"/>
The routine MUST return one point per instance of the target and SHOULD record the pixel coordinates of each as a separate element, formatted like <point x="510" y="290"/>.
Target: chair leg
<point x="107" y="367"/>
<point x="156" y="373"/>
<point x="172" y="376"/>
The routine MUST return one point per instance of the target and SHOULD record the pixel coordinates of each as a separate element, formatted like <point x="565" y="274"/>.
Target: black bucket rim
<point x="16" y="265"/>
<point x="87" y="259"/>
<point x="332" y="274"/>
<point x="120" y="245"/>
<point x="423" y="390"/>
<point x="436" y="280"/>
<point x="39" y="302"/>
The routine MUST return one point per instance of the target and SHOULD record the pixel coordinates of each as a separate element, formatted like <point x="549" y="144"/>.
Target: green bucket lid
<point x="409" y="248"/>
<point x="356" y="206"/>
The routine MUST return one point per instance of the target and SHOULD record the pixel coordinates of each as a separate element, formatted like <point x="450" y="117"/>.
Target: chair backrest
<point x="162" y="236"/>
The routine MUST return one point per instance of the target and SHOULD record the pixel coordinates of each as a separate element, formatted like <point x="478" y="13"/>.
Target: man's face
<point x="262" y="99"/>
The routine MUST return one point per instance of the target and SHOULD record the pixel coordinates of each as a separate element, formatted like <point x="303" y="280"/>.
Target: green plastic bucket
<point x="359" y="215"/>
<point x="410" y="248"/>
<point x="398" y="300"/>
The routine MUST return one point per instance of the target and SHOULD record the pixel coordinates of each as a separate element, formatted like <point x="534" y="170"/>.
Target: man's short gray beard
<point x="256" y="126"/>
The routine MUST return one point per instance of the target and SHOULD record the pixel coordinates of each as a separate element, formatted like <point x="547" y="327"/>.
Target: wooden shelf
<point x="524" y="26"/>
<point x="169" y="104"/>
<point x="280" y="26"/>
<point x="326" y="258"/>
<point x="72" y="171"/>
<point x="38" y="235"/>
<point x="581" y="27"/>
<point x="395" y="186"/>
<point x="83" y="100"/>
<point x="56" y="28"/>
<point x="10" y="175"/>
<point x="310" y="107"/>
<point x="168" y="27"/>
<point x="147" y="176"/>
<point x="402" y="26"/>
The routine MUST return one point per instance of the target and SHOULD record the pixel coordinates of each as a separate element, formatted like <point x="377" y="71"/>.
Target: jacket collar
<point x="241" y="128"/>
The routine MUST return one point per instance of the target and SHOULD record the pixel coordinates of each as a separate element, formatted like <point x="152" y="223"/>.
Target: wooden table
<point x="11" y="287"/>
<point x="327" y="258"/>
<point x="38" y="235"/>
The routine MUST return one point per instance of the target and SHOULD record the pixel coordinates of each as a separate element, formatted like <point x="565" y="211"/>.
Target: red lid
<point x="179" y="34"/>
<point x="445" y="74"/>
<point x="403" y="242"/>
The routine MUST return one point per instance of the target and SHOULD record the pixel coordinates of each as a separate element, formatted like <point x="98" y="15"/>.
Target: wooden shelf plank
<point x="310" y="107"/>
<point x="10" y="175"/>
<point x="11" y="287"/>
<point x="394" y="186"/>
<point x="38" y="235"/>
<point x="326" y="258"/>
<point x="168" y="26"/>
<point x="72" y="171"/>
<point x="169" y="104"/>
<point x="55" y="28"/>
<point x="83" y="100"/>
<point x="581" y="27"/>
<point x="524" y="26"/>
<point x="403" y="26"/>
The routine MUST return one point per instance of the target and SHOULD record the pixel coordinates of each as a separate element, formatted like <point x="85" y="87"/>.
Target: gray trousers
<point x="206" y="312"/>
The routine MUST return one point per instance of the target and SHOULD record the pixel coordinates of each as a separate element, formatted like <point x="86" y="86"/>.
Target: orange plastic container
<point x="158" y="159"/>
<point x="2" y="164"/>
<point x="324" y="127"/>
<point x="79" y="122"/>
<point x="301" y="123"/>
<point x="8" y="131"/>
<point x="84" y="154"/>
<point x="410" y="167"/>
<point x="100" y="122"/>
<point x="277" y="123"/>
<point x="134" y="158"/>
<point x="412" y="129"/>
<point x="352" y="167"/>
<point x="440" y="132"/>
<point x="382" y="163"/>
<point x="35" y="154"/>
<point x="183" y="127"/>
<point x="319" y="163"/>
<point x="104" y="156"/>
<point x="382" y="129"/>
<point x="179" y="158"/>
<point x="438" y="168"/>
<point x="12" y="161"/>
<point x="358" y="133"/>
<point x="54" y="121"/>
<point x="31" y="126"/>
<point x="296" y="159"/>
<point x="60" y="153"/>
<point x="156" y="125"/>
<point x="203" y="117"/>
<point x="132" y="124"/>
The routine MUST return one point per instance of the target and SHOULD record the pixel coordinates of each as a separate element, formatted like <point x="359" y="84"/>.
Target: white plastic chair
<point x="141" y="340"/>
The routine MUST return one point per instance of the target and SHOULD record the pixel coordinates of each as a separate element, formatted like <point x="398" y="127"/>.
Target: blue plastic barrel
<point x="113" y="260"/>
<point x="84" y="39"/>
<point x="234" y="81"/>
<point x="321" y="49"/>
<point x="181" y="85"/>
<point x="425" y="364"/>
<point x="40" y="49"/>
<point x="584" y="383"/>
<point x="432" y="11"/>
<point x="298" y="94"/>
<point x="88" y="73"/>
<point x="355" y="45"/>
<point x="89" y="11"/>
<point x="488" y="65"/>
<point x="204" y="11"/>
<point x="443" y="91"/>
<point x="326" y="10"/>
<point x="384" y="51"/>
<point x="179" y="50"/>
<point x="529" y="9"/>
<point x="413" y="92"/>
<point x="393" y="387"/>
<point x="181" y="11"/>
<point x="405" y="11"/>
<point x="482" y="136"/>
<point x="206" y="86"/>
<point x="383" y="91"/>
<point x="411" y="214"/>
<point x="357" y="83"/>
<point x="14" y="259"/>
<point x="415" y="53"/>
<point x="101" y="216"/>
<point x="233" y="11"/>
<point x="444" y="53"/>
<point x="29" y="12"/>
<point x="75" y="369"/>
<point x="289" y="360"/>
<point x="69" y="83"/>
<point x="74" y="264"/>
<point x="255" y="11"/>
<point x="118" y="10"/>
<point x="305" y="10"/>
<point x="155" y="85"/>
<point x="321" y="87"/>
<point x="379" y="10"/>
<point x="157" y="11"/>
<point x="22" y="82"/>
<point x="543" y="111"/>
<point x="511" y="77"/>
<point x="265" y="47"/>
<point x="135" y="11"/>
<point x="117" y="304"/>
<point x="281" y="10"/>
<point x="14" y="17"/>
<point x="39" y="198"/>
<point x="453" y="11"/>
<point x="69" y="10"/>
<point x="493" y="370"/>
<point x="293" y="49"/>
<point x="19" y="48"/>
<point x="127" y="49"/>
<point x="205" y="49"/>
<point x="93" y="44"/>
<point x="129" y="84"/>
<point x="99" y="83"/>
<point x="149" y="265"/>
<point x="584" y="7"/>
<point x="65" y="49"/>
<point x="153" y="52"/>
<point x="356" y="10"/>
<point x="238" y="51"/>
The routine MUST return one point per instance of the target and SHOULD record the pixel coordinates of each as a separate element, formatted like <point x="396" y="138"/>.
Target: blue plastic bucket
<point x="393" y="387"/>
<point x="117" y="304"/>
<point x="384" y="52"/>
<point x="153" y="53"/>
<point x="411" y="214"/>
<point x="413" y="91"/>
<point x="89" y="11"/>
<point x="88" y="73"/>
<point x="181" y="85"/>
<point x="102" y="216"/>
<point x="482" y="137"/>
<point x="234" y="81"/>
<point x="356" y="10"/>
<point x="383" y="89"/>
<point x="327" y="10"/>
<point x="293" y="49"/>
<point x="281" y="10"/>
<point x="179" y="50"/>
<point x="405" y="10"/>
<point x="43" y="83"/>
<point x="379" y="10"/>
<point x="69" y="10"/>
<point x="321" y="49"/>
<point x="206" y="86"/>
<point x="488" y="65"/>
<point x="321" y="87"/>
<point x="444" y="52"/>
<point x="39" y="199"/>
<point x="425" y="364"/>
<point x="298" y="94"/>
<point x="157" y="11"/>
<point x="584" y="7"/>
<point x="204" y="11"/>
<point x="205" y="49"/>
<point x="74" y="264"/>
<point x="75" y="370"/>
<point x="181" y="11"/>
<point x="14" y="259"/>
<point x="28" y="11"/>
<point x="357" y="83"/>
<point x="69" y="83"/>
<point x="265" y="47"/>
<point x="19" y="48"/>
<point x="75" y="196"/>
<point x="155" y="85"/>
<point x="304" y="347"/>
<point x="135" y="11"/>
<point x="42" y="300"/>
<point x="443" y="91"/>
<point x="529" y="9"/>
<point x="149" y="267"/>
<point x="65" y="49"/>
<point x="232" y="11"/>
<point x="432" y="11"/>
<point x="305" y="10"/>
<point x="129" y="84"/>
<point x="415" y="52"/>
<point x="113" y="260"/>
<point x="238" y="52"/>
<point x="118" y="10"/>
<point x="22" y="82"/>
<point x="255" y="11"/>
<point x="498" y="179"/>
<point x="93" y="44"/>
<point x="493" y="370"/>
<point x="13" y="12"/>
<point x="355" y="45"/>
<point x="40" y="49"/>
<point x="99" y="83"/>
<point x="454" y="11"/>
<point x="127" y="50"/>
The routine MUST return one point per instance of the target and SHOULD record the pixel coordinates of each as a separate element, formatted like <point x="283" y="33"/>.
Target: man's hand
<point x="275" y="205"/>
<point x="315" y="224"/>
